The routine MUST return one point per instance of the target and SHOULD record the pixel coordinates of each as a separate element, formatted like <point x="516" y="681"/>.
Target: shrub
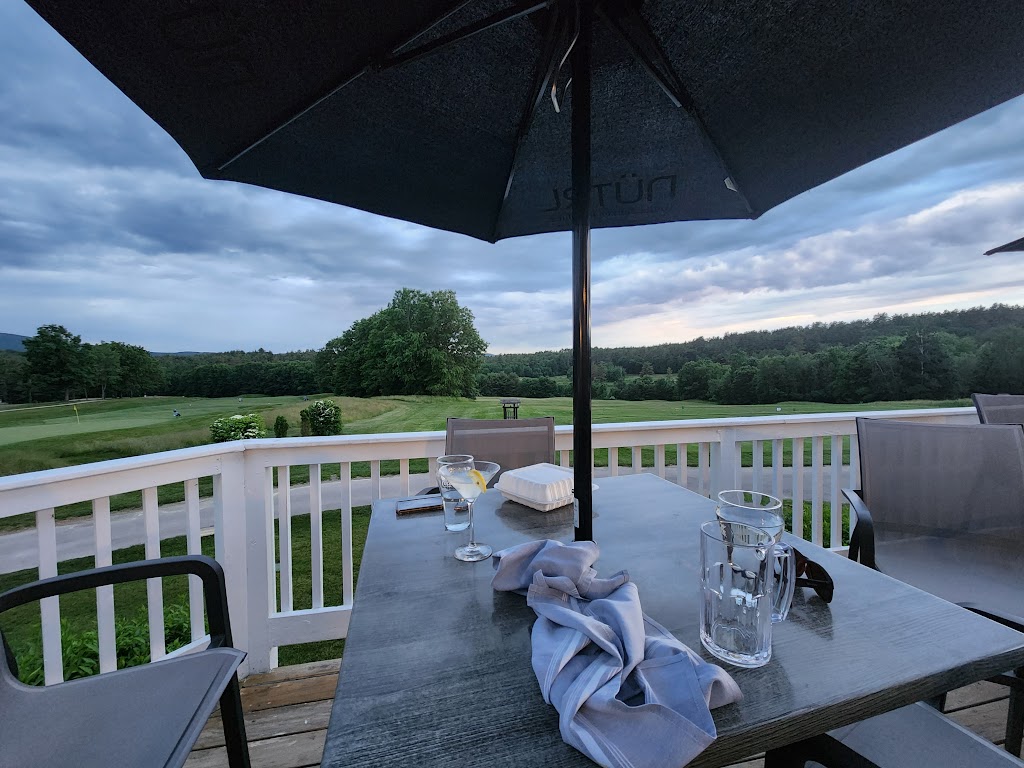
<point x="304" y="427"/>
<point x="238" y="427"/>
<point x="81" y="654"/>
<point x="280" y="427"/>
<point x="324" y="418"/>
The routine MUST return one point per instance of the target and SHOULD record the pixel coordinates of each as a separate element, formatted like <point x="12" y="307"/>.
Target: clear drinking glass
<point x="470" y="479"/>
<point x="765" y="512"/>
<point x="456" y="508"/>
<point x="736" y="585"/>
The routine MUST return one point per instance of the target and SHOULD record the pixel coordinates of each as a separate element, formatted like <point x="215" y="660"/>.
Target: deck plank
<point x="280" y="694"/>
<point x="292" y="751"/>
<point x="270" y="723"/>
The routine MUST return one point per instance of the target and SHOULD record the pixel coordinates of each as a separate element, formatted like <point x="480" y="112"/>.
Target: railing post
<point x="229" y="540"/>
<point x="725" y="462"/>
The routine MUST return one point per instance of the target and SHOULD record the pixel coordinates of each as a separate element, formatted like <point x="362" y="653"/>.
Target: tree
<point x="139" y="373"/>
<point x="55" y="358"/>
<point x="421" y="343"/>
<point x="13" y="375"/>
<point x="104" y="366"/>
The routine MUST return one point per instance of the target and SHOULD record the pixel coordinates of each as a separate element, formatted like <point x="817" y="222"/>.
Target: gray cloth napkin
<point x="628" y="694"/>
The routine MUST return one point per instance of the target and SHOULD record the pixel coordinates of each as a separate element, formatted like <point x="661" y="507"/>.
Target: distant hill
<point x="12" y="341"/>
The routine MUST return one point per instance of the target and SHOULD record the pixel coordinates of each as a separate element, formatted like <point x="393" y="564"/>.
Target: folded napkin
<point x="628" y="694"/>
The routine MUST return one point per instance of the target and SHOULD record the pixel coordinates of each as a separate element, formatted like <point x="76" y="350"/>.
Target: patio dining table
<point x="436" y="669"/>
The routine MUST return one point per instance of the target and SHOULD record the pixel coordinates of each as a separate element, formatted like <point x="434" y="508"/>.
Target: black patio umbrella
<point x="497" y="118"/>
<point x="1016" y="245"/>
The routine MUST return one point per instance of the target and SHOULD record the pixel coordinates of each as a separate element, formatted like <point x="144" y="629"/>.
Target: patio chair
<point x="145" y="716"/>
<point x="511" y="443"/>
<point x="941" y="507"/>
<point x="917" y="736"/>
<point x="999" y="409"/>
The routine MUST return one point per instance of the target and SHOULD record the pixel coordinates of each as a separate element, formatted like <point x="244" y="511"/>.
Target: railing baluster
<point x="194" y="546"/>
<point x="835" y="503"/>
<point x="757" y="463"/>
<point x="347" y="571"/>
<point x="105" y="636"/>
<point x="659" y="460"/>
<point x="797" y="468"/>
<point x="154" y="587"/>
<point x="704" y="468"/>
<point x="613" y="462"/>
<point x="777" y="462"/>
<point x="817" y="469"/>
<point x="49" y="607"/>
<point x="682" y="470"/>
<point x="375" y="480"/>
<point x="636" y="459"/>
<point x="284" y="535"/>
<point x="403" y="476"/>
<point x="316" y="533"/>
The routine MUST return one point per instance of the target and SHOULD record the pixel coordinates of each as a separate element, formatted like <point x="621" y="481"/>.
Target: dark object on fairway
<point x="149" y="715"/>
<point x="941" y="507"/>
<point x="1016" y="245"/>
<point x="999" y="409"/>
<point x="176" y="414"/>
<point x="461" y="116"/>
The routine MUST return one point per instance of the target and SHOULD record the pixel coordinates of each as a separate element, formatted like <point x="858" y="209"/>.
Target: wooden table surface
<point x="436" y="669"/>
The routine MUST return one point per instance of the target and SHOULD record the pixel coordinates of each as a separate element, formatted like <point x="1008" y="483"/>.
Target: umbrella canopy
<point x="1016" y="245"/>
<point x="498" y="118"/>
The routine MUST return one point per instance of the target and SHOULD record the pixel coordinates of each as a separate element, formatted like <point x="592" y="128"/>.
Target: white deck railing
<point x="247" y="508"/>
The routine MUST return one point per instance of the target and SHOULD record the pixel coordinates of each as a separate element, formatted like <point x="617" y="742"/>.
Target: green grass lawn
<point x="21" y="626"/>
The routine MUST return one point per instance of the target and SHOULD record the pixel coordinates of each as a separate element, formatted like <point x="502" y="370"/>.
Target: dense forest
<point x="889" y="357"/>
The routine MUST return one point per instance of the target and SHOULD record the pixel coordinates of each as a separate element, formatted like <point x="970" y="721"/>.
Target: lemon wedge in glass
<point x="478" y="479"/>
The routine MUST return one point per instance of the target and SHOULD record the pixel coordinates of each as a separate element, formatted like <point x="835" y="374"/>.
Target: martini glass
<point x="760" y="510"/>
<point x="470" y="479"/>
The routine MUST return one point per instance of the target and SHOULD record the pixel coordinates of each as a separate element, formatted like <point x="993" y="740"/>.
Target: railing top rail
<point x="790" y="418"/>
<point x="416" y="441"/>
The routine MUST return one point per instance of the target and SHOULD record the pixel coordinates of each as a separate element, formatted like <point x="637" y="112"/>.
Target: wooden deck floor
<point x="287" y="712"/>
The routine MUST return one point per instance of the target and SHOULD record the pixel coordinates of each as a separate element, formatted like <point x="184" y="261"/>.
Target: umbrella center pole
<point x="582" y="415"/>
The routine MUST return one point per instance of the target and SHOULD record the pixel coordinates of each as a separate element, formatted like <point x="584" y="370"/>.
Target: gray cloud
<point x="106" y="227"/>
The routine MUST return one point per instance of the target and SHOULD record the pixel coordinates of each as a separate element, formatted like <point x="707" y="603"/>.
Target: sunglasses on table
<point x="813" y="576"/>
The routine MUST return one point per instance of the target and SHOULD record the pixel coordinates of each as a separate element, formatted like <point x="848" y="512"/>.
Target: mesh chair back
<point x="999" y="409"/>
<point x="947" y="505"/>
<point x="512" y="443"/>
<point x="942" y="477"/>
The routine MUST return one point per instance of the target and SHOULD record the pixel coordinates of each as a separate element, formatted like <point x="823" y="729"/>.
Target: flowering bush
<point x="238" y="427"/>
<point x="323" y="418"/>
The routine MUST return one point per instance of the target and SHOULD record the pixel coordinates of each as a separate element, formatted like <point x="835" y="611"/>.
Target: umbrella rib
<point x="627" y="22"/>
<point x="1016" y="245"/>
<point x="542" y="77"/>
<point x="494" y="20"/>
<point x="345" y="80"/>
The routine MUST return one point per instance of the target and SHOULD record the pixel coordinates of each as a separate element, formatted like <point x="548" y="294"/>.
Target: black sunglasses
<point x="810" y="574"/>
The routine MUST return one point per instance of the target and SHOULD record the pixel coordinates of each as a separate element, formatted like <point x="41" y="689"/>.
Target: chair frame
<point x="983" y="403"/>
<point x="212" y="575"/>
<point x="862" y="550"/>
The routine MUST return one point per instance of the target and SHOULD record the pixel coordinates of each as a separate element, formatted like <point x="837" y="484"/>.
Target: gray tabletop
<point x="436" y="669"/>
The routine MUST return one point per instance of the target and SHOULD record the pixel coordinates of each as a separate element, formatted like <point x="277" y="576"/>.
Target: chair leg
<point x="1015" y="721"/>
<point x="234" y="726"/>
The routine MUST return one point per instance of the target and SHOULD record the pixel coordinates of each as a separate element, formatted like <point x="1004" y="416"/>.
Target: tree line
<point x="426" y="343"/>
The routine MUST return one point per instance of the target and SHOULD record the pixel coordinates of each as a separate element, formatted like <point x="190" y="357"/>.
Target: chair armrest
<point x="208" y="569"/>
<point x="862" y="540"/>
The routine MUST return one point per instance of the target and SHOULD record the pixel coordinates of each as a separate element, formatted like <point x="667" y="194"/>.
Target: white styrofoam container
<point x="539" y="486"/>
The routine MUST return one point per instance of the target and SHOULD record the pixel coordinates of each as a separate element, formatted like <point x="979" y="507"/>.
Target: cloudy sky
<point x="107" y="228"/>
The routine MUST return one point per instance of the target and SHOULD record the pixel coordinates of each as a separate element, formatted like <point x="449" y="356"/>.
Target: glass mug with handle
<point x="765" y="512"/>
